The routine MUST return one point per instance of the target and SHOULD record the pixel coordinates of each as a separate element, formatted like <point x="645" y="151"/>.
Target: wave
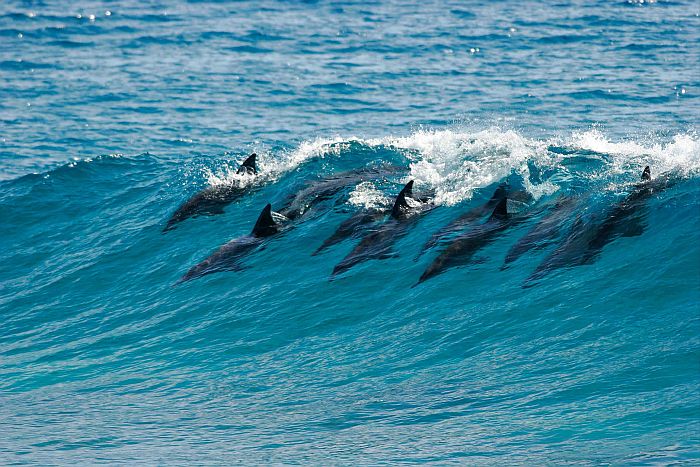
<point x="455" y="163"/>
<point x="88" y="302"/>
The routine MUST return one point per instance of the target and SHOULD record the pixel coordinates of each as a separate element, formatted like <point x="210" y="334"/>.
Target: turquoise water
<point x="114" y="114"/>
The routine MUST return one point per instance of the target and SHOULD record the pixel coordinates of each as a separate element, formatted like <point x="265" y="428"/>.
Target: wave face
<point x="277" y="359"/>
<point x="105" y="357"/>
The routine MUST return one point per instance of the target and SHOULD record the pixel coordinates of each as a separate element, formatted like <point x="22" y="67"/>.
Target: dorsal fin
<point x="400" y="205"/>
<point x="248" y="165"/>
<point x="646" y="175"/>
<point x="501" y="210"/>
<point x="265" y="225"/>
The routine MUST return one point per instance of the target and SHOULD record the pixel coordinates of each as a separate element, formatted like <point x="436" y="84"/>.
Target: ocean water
<point x="113" y="114"/>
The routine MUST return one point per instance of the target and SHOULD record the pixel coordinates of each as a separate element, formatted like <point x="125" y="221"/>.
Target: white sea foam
<point x="318" y="148"/>
<point x="681" y="153"/>
<point x="368" y="196"/>
<point x="455" y="163"/>
<point x="228" y="175"/>
<point x="271" y="166"/>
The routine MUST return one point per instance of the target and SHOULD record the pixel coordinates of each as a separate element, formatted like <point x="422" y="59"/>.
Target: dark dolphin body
<point x="465" y="220"/>
<point x="363" y="220"/>
<point x="627" y="218"/>
<point x="317" y="191"/>
<point x="353" y="226"/>
<point x="572" y="251"/>
<point x="212" y="200"/>
<point x="378" y="244"/>
<point x="587" y="239"/>
<point x="462" y="249"/>
<point x="227" y="258"/>
<point x="545" y="231"/>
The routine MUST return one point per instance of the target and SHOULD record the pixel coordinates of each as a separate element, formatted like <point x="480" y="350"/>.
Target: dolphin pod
<point x="212" y="200"/>
<point x="380" y="228"/>
<point x="586" y="239"/>
<point x="298" y="206"/>
<point x="582" y="244"/>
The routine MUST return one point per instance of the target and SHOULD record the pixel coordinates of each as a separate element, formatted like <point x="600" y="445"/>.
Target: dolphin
<point x="571" y="252"/>
<point x="227" y="257"/>
<point x="625" y="219"/>
<point x="462" y="249"/>
<point x="212" y="200"/>
<point x="317" y="191"/>
<point x="545" y="231"/>
<point x="587" y="237"/>
<point x="352" y="227"/>
<point x="460" y="223"/>
<point x="378" y="243"/>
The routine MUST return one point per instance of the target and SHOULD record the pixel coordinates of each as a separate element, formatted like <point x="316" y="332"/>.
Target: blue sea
<point x="585" y="350"/>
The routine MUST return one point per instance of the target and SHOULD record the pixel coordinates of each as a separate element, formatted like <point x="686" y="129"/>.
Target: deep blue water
<point x="112" y="114"/>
